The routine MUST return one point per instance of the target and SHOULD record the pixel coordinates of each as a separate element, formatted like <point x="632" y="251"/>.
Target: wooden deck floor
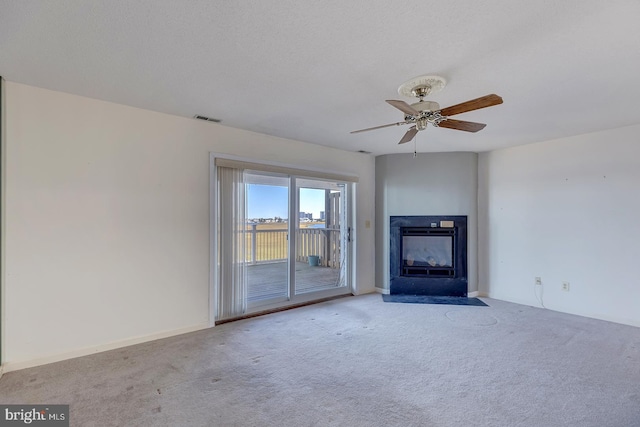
<point x="270" y="280"/>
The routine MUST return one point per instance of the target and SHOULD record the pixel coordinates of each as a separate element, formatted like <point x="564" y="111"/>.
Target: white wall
<point x="107" y="221"/>
<point x="431" y="184"/>
<point x="564" y="210"/>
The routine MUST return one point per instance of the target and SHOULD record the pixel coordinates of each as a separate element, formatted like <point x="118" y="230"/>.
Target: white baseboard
<point x="14" y="366"/>
<point x="549" y="305"/>
<point x="382" y="291"/>
<point x="477" y="294"/>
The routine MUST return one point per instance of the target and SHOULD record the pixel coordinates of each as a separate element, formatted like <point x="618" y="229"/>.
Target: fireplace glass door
<point x="433" y="251"/>
<point x="427" y="252"/>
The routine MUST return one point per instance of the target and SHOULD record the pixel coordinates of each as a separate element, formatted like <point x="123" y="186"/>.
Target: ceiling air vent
<point x="206" y="119"/>
<point x="364" y="152"/>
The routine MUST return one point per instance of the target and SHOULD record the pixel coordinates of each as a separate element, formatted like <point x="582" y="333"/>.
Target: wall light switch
<point x="367" y="224"/>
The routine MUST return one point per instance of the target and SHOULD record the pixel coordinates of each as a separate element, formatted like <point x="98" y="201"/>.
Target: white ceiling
<point x="315" y="70"/>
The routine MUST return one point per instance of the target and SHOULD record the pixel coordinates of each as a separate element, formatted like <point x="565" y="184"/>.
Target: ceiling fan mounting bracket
<point x="435" y="118"/>
<point x="422" y="86"/>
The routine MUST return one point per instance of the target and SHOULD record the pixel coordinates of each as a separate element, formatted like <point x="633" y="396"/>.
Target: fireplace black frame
<point x="421" y="278"/>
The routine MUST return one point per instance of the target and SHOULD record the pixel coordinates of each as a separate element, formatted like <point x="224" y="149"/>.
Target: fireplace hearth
<point x="428" y="255"/>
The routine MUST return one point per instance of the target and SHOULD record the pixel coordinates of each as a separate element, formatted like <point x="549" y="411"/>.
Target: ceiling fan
<point x="422" y="113"/>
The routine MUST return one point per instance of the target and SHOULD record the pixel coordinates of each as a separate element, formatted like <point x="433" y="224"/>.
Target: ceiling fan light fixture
<point x="426" y="106"/>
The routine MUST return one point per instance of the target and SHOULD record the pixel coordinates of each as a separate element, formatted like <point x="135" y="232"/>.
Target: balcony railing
<point x="271" y="245"/>
<point x="323" y="242"/>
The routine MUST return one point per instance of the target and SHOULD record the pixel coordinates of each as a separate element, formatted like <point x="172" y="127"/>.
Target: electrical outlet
<point x="538" y="281"/>
<point x="565" y="286"/>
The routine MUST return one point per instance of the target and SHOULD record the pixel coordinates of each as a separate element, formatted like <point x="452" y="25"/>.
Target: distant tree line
<point x="263" y="220"/>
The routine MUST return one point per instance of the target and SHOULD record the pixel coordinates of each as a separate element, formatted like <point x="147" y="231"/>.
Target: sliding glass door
<point x="267" y="238"/>
<point x="321" y="235"/>
<point x="282" y="239"/>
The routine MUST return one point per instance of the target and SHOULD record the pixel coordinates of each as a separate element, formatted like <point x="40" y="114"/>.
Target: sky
<point x="269" y="201"/>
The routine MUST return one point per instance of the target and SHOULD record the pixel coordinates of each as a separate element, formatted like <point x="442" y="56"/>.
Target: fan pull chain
<point x="415" y="150"/>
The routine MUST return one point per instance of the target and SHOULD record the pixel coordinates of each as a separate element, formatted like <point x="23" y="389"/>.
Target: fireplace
<point x="428" y="255"/>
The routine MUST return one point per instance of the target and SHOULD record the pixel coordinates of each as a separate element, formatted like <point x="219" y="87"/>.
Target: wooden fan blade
<point x="380" y="127"/>
<point x="474" y="104"/>
<point x="409" y="135"/>
<point x="461" y="125"/>
<point x="404" y="107"/>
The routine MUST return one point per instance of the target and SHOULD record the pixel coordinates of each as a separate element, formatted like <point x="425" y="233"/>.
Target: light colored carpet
<point x="358" y="361"/>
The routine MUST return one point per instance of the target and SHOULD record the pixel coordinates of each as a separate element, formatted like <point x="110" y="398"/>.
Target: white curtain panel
<point x="232" y="283"/>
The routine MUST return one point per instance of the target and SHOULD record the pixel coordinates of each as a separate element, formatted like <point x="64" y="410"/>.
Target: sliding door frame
<point x="295" y="171"/>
